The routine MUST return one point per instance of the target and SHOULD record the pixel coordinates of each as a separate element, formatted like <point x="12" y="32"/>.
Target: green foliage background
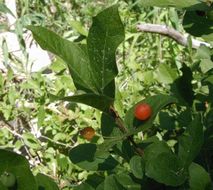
<point x="149" y="64"/>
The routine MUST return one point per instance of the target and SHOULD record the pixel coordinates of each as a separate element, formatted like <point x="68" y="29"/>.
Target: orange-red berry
<point x="143" y="111"/>
<point x="87" y="133"/>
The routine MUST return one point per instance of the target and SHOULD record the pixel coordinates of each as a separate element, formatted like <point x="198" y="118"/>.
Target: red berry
<point x="87" y="133"/>
<point x="143" y="111"/>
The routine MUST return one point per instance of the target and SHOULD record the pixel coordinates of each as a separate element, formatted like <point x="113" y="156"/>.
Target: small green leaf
<point x="198" y="178"/>
<point x="45" y="183"/>
<point x="31" y="141"/>
<point x="78" y="27"/>
<point x="41" y="115"/>
<point x="203" y="52"/>
<point x="137" y="167"/>
<point x="165" y="74"/>
<point x="206" y="65"/>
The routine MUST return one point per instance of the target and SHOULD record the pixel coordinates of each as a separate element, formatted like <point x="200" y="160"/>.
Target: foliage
<point x="170" y="150"/>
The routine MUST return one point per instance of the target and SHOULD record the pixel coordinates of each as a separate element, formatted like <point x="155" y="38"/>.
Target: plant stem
<point x="124" y="130"/>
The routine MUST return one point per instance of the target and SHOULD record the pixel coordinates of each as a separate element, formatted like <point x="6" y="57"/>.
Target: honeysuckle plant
<point x="122" y="160"/>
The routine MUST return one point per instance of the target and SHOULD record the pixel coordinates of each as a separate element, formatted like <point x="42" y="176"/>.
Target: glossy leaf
<point x="156" y="102"/>
<point x="191" y="142"/>
<point x="18" y="166"/>
<point x="45" y="183"/>
<point x="105" y="34"/>
<point x="198" y="178"/>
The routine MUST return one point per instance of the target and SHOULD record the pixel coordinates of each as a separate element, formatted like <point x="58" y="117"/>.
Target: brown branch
<point x="124" y="130"/>
<point x="171" y="33"/>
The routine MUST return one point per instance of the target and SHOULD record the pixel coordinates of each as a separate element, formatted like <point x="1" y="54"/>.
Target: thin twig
<point x="170" y="32"/>
<point x="55" y="142"/>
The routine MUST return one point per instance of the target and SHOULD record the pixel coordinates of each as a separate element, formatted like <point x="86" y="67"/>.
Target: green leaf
<point x="109" y="128"/>
<point x="166" y="74"/>
<point x="198" y="178"/>
<point x="203" y="52"/>
<point x="78" y="27"/>
<point x="93" y="68"/>
<point x="156" y="102"/>
<point x="166" y="168"/>
<point x="166" y="121"/>
<point x="31" y="141"/>
<point x="137" y="166"/>
<point x="112" y="183"/>
<point x="100" y="102"/>
<point x="76" y="58"/>
<point x="45" y="183"/>
<point x="106" y="33"/>
<point x="198" y="25"/>
<point x="182" y="87"/>
<point x="191" y="142"/>
<point x="127" y="182"/>
<point x="172" y="3"/>
<point x="206" y="65"/>
<point x="17" y="165"/>
<point x="155" y="149"/>
<point x="88" y="157"/>
<point x="41" y="115"/>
